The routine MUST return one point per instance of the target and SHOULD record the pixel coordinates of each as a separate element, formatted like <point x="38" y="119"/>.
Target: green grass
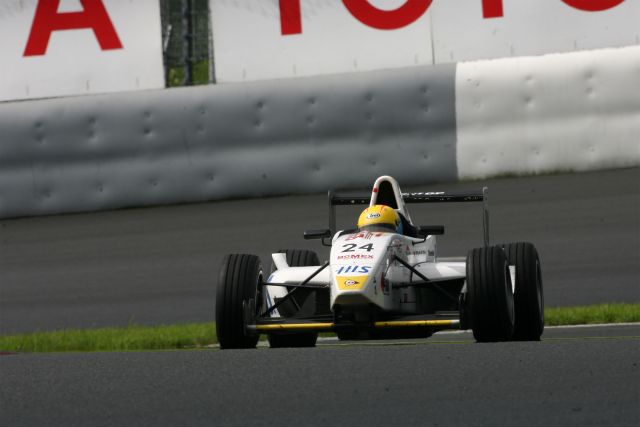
<point x="589" y="314"/>
<point x="134" y="337"/>
<point x="199" y="335"/>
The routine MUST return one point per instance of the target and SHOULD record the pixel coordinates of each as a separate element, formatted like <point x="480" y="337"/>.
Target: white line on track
<point x="265" y="343"/>
<point x="593" y="325"/>
<point x="468" y="331"/>
<point x="588" y="325"/>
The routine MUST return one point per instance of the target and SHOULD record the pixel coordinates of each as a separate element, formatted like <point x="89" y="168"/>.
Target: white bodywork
<point x="363" y="270"/>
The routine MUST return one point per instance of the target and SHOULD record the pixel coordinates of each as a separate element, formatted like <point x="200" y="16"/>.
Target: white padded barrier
<point x="577" y="111"/>
<point x="222" y="141"/>
<point x="560" y="112"/>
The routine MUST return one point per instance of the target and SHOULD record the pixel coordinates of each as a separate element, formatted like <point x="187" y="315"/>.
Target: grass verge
<point x="590" y="314"/>
<point x="133" y="337"/>
<point x="199" y="335"/>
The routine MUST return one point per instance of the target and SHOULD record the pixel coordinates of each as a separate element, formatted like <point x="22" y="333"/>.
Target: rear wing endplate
<point x="351" y="199"/>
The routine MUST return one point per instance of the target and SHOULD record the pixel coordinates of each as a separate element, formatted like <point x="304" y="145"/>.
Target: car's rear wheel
<point x="296" y="258"/>
<point x="528" y="296"/>
<point x="489" y="294"/>
<point x="239" y="283"/>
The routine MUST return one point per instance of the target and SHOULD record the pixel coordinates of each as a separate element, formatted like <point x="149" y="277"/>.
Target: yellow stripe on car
<point x="410" y="323"/>
<point x="327" y="326"/>
<point x="295" y="326"/>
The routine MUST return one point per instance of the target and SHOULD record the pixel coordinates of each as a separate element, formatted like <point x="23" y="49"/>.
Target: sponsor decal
<point x="362" y="10"/>
<point x="418" y="253"/>
<point x="294" y="38"/>
<point x="373" y="215"/>
<point x="432" y="253"/>
<point x="428" y="193"/>
<point x="54" y="48"/>
<point x="381" y="19"/>
<point x="350" y="283"/>
<point x="47" y="20"/>
<point x="364" y="235"/>
<point x="356" y="256"/>
<point x="591" y="5"/>
<point x="352" y="269"/>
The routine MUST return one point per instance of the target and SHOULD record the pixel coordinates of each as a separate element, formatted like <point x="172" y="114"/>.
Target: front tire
<point x="528" y="296"/>
<point x="296" y="258"/>
<point x="238" y="283"/>
<point x="489" y="295"/>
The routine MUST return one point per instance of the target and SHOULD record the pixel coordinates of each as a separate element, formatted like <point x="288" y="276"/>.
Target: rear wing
<point x="351" y="199"/>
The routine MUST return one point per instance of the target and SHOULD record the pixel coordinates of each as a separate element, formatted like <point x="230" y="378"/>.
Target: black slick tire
<point x="238" y="283"/>
<point x="489" y="295"/>
<point x="296" y="258"/>
<point x="528" y="296"/>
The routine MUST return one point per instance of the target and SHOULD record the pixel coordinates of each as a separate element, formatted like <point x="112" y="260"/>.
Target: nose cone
<point x="356" y="260"/>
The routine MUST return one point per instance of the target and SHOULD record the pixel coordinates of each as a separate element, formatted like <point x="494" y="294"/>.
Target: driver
<point x="380" y="218"/>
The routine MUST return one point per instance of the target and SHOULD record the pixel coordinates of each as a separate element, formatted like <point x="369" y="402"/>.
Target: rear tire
<point x="529" y="296"/>
<point x="238" y="283"/>
<point x="296" y="258"/>
<point x="489" y="295"/>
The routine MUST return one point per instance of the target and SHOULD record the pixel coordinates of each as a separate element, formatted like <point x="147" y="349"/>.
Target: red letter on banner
<point x="371" y="16"/>
<point x="492" y="9"/>
<point x="290" y="17"/>
<point x="48" y="20"/>
<point x="593" y="5"/>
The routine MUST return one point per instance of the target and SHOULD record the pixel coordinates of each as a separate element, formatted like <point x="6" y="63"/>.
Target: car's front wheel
<point x="489" y="295"/>
<point x="239" y="283"/>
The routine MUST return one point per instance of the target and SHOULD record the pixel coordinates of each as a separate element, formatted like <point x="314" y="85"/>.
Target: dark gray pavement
<point x="574" y="377"/>
<point x="160" y="265"/>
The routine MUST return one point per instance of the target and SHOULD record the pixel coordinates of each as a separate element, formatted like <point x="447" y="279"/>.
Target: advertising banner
<point x="466" y="30"/>
<point x="51" y="48"/>
<point x="263" y="39"/>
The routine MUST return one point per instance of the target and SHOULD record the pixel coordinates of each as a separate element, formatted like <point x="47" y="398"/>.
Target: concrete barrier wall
<point x="213" y="142"/>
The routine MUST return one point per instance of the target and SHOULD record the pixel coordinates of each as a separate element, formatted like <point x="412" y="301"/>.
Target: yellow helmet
<point x="379" y="216"/>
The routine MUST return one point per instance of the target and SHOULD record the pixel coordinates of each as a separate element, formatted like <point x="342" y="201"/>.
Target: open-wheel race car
<point x="383" y="280"/>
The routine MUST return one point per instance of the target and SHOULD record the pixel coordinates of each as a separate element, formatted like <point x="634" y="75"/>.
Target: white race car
<point x="382" y="280"/>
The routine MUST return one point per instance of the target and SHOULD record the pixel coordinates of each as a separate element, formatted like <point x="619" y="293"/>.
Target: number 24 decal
<point x="351" y="247"/>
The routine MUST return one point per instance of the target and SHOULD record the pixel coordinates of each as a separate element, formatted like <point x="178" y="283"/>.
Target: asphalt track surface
<point x="574" y="377"/>
<point x="160" y="265"/>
